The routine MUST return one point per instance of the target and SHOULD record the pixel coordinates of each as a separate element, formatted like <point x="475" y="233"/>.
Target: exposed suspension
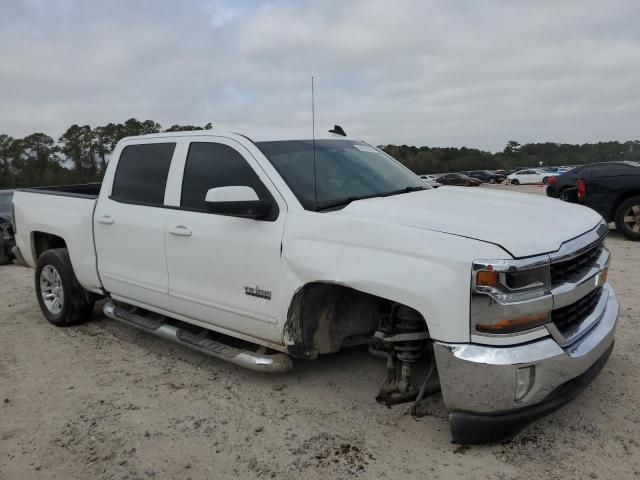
<point x="402" y="339"/>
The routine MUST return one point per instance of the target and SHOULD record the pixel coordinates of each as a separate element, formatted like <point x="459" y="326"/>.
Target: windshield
<point x="5" y="202"/>
<point x="346" y="170"/>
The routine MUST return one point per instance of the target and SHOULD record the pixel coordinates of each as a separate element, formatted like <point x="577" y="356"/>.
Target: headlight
<point x="510" y="296"/>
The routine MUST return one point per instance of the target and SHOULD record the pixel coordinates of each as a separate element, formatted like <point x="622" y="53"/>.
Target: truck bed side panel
<point x="68" y="217"/>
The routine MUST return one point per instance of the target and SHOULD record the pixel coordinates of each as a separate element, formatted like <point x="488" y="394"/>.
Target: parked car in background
<point x="430" y="180"/>
<point x="429" y="177"/>
<point x="530" y="176"/>
<point x="7" y="241"/>
<point x="459" y="179"/>
<point x="486" y="176"/>
<point x="564" y="186"/>
<point x="614" y="193"/>
<point x="558" y="170"/>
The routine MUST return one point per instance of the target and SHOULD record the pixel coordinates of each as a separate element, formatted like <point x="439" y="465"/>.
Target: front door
<point x="223" y="270"/>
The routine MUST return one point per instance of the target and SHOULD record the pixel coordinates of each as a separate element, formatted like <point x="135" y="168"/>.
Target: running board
<point x="277" y="362"/>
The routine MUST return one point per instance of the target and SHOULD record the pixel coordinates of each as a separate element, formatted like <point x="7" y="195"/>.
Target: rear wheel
<point x="4" y="253"/>
<point x="627" y="218"/>
<point x="492" y="180"/>
<point x="61" y="297"/>
<point x="545" y="180"/>
<point x="568" y="194"/>
<point x="515" y="181"/>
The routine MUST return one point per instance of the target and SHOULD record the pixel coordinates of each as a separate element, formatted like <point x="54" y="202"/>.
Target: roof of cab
<point x="254" y="138"/>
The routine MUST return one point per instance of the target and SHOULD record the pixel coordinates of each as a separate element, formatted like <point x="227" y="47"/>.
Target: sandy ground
<point x="103" y="401"/>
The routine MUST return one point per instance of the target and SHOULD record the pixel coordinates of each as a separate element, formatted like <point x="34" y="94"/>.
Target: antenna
<point x="313" y="136"/>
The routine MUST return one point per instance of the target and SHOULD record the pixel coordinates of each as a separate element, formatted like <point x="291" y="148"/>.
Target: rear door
<point x="225" y="271"/>
<point x="129" y="224"/>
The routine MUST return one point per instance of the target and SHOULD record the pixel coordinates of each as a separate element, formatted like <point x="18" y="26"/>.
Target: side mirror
<point x="237" y="201"/>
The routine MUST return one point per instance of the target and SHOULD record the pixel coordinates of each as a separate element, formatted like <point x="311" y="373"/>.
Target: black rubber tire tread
<point x="76" y="309"/>
<point x="619" y="218"/>
<point x="5" y="259"/>
<point x="515" y="182"/>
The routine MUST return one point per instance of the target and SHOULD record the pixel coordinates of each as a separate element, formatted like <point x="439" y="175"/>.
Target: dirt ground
<point x="103" y="401"/>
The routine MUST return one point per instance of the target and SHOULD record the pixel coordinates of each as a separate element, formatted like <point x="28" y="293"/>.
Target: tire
<point x="545" y="180"/>
<point x="4" y="254"/>
<point x="67" y="303"/>
<point x="515" y="181"/>
<point x="492" y="180"/>
<point x="568" y="194"/>
<point x="627" y="218"/>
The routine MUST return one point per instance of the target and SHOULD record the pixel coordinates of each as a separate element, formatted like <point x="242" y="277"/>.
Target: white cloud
<point x="417" y="72"/>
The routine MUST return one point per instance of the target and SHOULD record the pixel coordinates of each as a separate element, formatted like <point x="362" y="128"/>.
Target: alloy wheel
<point x="631" y="218"/>
<point x="51" y="289"/>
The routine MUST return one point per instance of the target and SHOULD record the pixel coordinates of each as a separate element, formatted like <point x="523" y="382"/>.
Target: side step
<point x="277" y="362"/>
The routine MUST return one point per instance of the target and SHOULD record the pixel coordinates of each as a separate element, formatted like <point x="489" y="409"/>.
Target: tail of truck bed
<point x="59" y="217"/>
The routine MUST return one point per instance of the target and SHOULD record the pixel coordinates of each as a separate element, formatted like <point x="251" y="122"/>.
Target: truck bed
<point x="83" y="190"/>
<point x="65" y="213"/>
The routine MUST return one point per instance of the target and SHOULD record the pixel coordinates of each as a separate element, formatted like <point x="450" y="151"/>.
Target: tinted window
<point x="5" y="202"/>
<point x="344" y="170"/>
<point x="141" y="175"/>
<point x="211" y="165"/>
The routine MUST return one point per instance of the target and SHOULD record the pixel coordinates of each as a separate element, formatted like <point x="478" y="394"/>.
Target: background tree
<point x="82" y="153"/>
<point x="7" y="148"/>
<point x="185" y="128"/>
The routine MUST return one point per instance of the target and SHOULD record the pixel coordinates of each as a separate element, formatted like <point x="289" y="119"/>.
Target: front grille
<point x="563" y="271"/>
<point x="566" y="317"/>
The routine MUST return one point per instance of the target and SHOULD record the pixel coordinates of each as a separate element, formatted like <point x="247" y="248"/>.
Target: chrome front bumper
<point x="482" y="379"/>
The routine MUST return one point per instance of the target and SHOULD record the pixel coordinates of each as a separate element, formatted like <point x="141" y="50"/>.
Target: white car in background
<point x="430" y="180"/>
<point x="530" y="175"/>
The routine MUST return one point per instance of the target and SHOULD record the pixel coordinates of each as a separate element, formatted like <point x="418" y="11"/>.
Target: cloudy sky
<point x="474" y="73"/>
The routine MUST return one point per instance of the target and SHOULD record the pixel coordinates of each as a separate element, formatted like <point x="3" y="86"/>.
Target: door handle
<point x="180" y="230"/>
<point x="106" y="219"/>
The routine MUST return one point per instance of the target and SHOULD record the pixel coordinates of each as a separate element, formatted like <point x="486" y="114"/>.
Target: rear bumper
<point x="479" y="381"/>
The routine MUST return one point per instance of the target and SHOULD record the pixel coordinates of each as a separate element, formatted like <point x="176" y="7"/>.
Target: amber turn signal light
<point x="486" y="278"/>
<point x="515" y="324"/>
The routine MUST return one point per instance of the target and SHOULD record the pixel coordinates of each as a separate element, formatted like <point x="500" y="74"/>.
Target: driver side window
<point x="210" y="165"/>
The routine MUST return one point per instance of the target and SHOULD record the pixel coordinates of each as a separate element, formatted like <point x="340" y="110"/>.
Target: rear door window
<point x="141" y="174"/>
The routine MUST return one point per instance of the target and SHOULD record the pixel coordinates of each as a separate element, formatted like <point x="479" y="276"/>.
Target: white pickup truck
<point x="260" y="250"/>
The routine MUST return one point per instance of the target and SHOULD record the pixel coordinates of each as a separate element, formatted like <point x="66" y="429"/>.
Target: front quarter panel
<point x="426" y="270"/>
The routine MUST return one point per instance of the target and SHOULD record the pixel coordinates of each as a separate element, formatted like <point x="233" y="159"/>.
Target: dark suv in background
<point x="486" y="176"/>
<point x="564" y="186"/>
<point x="7" y="242"/>
<point x="614" y="192"/>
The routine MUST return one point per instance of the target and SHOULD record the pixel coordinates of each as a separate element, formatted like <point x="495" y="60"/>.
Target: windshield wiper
<point x="403" y="190"/>
<point x="346" y="201"/>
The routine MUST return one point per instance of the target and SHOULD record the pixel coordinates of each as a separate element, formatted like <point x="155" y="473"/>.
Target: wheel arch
<point x="43" y="241"/>
<point x="323" y="316"/>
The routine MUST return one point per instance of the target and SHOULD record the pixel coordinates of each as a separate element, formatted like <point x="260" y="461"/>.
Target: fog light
<point x="525" y="378"/>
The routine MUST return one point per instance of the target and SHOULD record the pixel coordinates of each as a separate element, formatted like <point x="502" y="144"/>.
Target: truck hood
<point x="522" y="224"/>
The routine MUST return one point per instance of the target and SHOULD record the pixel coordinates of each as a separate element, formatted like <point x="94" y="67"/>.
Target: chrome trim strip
<point x="581" y="244"/>
<point x="570" y="292"/>
<point x="578" y="330"/>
